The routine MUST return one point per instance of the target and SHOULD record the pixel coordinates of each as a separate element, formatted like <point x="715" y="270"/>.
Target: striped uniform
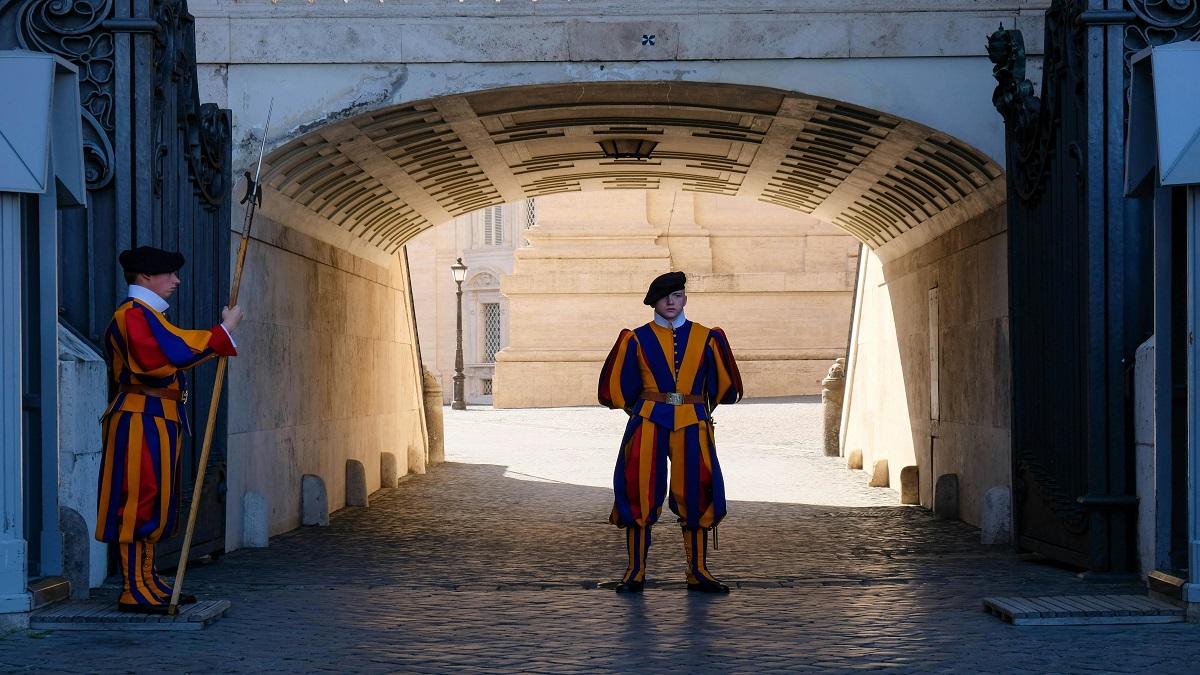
<point x="143" y="434"/>
<point x="653" y="358"/>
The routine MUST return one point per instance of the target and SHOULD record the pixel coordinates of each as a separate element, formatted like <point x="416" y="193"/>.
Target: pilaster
<point x="13" y="597"/>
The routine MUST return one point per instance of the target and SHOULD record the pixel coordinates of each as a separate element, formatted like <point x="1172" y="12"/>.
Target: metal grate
<point x="491" y="332"/>
<point x="530" y="213"/>
<point x="487" y="386"/>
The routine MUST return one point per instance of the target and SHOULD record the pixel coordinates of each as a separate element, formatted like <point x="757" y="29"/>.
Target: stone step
<point x="103" y="615"/>
<point x="1083" y="610"/>
<point x="48" y="590"/>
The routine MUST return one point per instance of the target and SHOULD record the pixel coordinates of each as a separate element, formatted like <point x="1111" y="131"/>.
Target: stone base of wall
<point x="327" y="372"/>
<point x="82" y="398"/>
<point x="894" y="410"/>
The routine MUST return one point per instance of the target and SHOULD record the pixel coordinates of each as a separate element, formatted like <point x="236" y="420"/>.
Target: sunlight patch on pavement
<point x="769" y="452"/>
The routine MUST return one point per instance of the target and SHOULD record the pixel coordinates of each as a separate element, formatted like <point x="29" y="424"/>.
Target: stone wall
<point x="941" y="405"/>
<point x="325" y="61"/>
<point x="327" y="372"/>
<point x="82" y="398"/>
<point x="777" y="281"/>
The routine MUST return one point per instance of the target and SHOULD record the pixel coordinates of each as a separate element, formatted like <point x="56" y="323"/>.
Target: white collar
<point x="154" y="300"/>
<point x="679" y="321"/>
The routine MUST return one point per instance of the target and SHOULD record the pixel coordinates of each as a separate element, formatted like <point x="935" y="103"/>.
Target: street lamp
<point x="459" y="270"/>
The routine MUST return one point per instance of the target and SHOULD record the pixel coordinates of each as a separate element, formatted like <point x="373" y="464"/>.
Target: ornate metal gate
<point x="1080" y="275"/>
<point x="158" y="173"/>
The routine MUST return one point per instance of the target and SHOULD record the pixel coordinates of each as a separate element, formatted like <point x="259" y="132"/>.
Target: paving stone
<point x="838" y="576"/>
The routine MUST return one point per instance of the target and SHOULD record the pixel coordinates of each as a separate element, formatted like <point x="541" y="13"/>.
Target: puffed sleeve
<point x="724" y="380"/>
<point x="621" y="378"/>
<point x="157" y="347"/>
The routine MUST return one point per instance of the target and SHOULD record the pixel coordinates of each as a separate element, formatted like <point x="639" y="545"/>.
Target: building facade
<point x="487" y="241"/>
<point x="780" y="285"/>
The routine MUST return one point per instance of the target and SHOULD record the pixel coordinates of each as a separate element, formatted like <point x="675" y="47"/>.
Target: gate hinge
<point x="1108" y="501"/>
<point x="1105" y="17"/>
<point x="132" y="26"/>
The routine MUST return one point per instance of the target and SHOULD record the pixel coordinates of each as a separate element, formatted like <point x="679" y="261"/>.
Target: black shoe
<point x="707" y="586"/>
<point x="631" y="586"/>
<point x="135" y="608"/>
<point x="187" y="599"/>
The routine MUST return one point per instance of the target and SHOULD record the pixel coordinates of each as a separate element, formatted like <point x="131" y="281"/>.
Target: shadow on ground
<point x="467" y="569"/>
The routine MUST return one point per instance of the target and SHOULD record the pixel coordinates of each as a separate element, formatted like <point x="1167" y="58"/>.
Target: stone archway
<point x="351" y="192"/>
<point x="386" y="175"/>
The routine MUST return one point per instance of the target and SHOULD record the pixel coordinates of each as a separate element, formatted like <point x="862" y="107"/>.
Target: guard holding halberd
<point x="145" y="422"/>
<point x="668" y="375"/>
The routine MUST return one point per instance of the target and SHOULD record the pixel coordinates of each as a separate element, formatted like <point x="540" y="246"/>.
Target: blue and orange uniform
<point x="143" y="429"/>
<point x="668" y="376"/>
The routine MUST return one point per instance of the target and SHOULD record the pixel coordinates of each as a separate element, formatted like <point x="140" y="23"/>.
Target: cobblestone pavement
<point x="490" y="562"/>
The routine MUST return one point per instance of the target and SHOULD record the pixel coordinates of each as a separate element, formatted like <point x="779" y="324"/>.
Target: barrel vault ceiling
<point x="387" y="175"/>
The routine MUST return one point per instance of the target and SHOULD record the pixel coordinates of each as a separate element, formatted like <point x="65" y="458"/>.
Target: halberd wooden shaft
<point x="206" y="444"/>
<point x="252" y="199"/>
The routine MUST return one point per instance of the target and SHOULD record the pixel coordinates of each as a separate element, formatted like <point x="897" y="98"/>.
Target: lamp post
<point x="459" y="270"/>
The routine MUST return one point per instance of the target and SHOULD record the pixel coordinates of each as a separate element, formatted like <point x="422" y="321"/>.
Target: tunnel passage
<point x="344" y="196"/>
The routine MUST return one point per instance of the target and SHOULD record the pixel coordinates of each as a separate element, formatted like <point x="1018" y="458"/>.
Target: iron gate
<point x="1080" y="275"/>
<point x="158" y="173"/>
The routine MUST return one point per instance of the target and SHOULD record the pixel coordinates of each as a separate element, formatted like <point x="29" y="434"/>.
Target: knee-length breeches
<point x="640" y="483"/>
<point x="138" y="478"/>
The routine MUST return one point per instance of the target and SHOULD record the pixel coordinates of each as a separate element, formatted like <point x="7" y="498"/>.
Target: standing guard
<point x="668" y="375"/>
<point x="145" y="421"/>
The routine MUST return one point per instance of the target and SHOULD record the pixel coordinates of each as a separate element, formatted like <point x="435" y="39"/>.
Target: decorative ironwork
<point x="205" y="126"/>
<point x="1159" y="22"/>
<point x="1070" y="404"/>
<point x="73" y="30"/>
<point x="1033" y="119"/>
<point x="82" y="32"/>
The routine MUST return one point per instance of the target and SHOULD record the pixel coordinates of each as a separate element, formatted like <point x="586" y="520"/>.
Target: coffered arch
<point x="388" y="174"/>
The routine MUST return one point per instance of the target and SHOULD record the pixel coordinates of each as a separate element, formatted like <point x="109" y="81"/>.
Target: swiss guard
<point x="145" y="422"/>
<point x="668" y="375"/>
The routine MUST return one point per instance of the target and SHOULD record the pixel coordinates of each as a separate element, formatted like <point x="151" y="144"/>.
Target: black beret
<point x="150" y="260"/>
<point x="664" y="285"/>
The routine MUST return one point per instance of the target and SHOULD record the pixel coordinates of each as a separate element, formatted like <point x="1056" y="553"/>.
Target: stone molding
<point x="440" y="32"/>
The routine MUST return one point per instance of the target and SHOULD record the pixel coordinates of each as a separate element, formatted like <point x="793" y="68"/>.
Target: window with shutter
<point x="493" y="226"/>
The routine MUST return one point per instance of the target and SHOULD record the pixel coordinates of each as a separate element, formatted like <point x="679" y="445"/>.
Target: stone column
<point x="832" y="389"/>
<point x="13" y="597"/>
